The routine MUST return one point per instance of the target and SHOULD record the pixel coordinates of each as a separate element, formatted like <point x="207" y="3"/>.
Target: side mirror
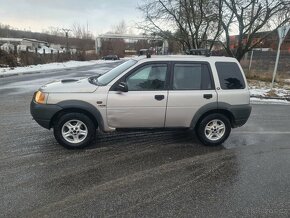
<point x="122" y="87"/>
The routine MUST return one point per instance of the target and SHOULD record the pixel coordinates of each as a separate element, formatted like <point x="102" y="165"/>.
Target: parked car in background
<point x="111" y="57"/>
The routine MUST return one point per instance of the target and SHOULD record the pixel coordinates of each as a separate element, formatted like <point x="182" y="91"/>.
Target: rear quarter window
<point x="230" y="75"/>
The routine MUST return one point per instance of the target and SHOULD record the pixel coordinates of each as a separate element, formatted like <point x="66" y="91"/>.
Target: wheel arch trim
<point x="214" y="107"/>
<point x="80" y="106"/>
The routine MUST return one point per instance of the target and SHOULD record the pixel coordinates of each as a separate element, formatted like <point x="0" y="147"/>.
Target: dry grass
<point x="253" y="83"/>
<point x="267" y="76"/>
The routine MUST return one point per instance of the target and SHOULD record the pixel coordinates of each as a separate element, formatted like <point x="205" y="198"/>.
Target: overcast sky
<point x="38" y="15"/>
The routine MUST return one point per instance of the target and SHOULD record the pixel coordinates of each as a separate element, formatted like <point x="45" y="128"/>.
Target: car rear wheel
<point x="214" y="129"/>
<point x="74" y="130"/>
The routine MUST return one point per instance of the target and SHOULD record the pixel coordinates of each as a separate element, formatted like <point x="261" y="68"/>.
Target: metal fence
<point x="261" y="63"/>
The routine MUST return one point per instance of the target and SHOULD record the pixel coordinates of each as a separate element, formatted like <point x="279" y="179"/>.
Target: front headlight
<point x="40" y="97"/>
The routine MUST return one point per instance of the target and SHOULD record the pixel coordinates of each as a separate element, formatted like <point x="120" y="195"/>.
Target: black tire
<point x="85" y="125"/>
<point x="215" y="136"/>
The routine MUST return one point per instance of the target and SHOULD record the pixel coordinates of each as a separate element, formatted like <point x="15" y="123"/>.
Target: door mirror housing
<point x="122" y="87"/>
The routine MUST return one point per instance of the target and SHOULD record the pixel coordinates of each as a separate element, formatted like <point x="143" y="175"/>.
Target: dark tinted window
<point x="230" y="75"/>
<point x="149" y="77"/>
<point x="191" y="77"/>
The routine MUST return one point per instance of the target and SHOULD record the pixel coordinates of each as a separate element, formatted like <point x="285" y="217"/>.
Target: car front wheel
<point x="74" y="130"/>
<point x="214" y="129"/>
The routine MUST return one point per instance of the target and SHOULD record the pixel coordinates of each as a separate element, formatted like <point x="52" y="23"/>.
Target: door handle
<point x="207" y="96"/>
<point x="159" y="97"/>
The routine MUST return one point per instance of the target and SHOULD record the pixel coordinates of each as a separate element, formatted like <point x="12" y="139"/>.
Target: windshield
<point x="112" y="74"/>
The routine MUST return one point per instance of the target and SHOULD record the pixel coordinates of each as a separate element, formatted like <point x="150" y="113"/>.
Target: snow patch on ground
<point x="261" y="93"/>
<point x="275" y="92"/>
<point x="255" y="100"/>
<point x="51" y="66"/>
<point x="262" y="89"/>
<point x="258" y="92"/>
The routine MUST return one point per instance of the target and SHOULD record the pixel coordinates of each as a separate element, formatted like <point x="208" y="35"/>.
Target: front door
<point x="144" y="105"/>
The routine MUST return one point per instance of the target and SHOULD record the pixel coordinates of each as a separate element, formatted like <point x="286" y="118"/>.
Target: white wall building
<point x="22" y="44"/>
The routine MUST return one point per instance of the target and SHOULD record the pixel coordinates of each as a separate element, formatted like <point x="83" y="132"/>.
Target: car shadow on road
<point x="178" y="142"/>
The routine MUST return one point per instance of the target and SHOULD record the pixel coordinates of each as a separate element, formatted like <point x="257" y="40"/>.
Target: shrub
<point x="7" y="59"/>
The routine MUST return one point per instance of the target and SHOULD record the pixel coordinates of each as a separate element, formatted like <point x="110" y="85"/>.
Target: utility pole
<point x="282" y="32"/>
<point x="66" y="35"/>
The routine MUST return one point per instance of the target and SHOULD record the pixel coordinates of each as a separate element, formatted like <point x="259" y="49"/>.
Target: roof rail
<point x="200" y="51"/>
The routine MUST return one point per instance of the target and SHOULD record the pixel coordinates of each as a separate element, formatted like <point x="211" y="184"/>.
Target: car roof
<point x="185" y="58"/>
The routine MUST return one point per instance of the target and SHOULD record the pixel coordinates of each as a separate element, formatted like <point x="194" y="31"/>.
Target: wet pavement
<point x="143" y="174"/>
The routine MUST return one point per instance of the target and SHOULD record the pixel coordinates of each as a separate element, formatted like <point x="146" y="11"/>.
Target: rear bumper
<point x="43" y="113"/>
<point x="241" y="114"/>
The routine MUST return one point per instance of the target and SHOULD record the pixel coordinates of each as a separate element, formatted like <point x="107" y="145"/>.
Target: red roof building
<point x="270" y="42"/>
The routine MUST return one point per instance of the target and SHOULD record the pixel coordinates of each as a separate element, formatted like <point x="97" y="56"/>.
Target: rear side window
<point x="191" y="76"/>
<point x="230" y="75"/>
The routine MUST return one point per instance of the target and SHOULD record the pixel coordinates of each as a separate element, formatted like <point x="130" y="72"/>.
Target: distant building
<point x="56" y="46"/>
<point x="7" y="47"/>
<point x="128" y="44"/>
<point x="13" y="41"/>
<point x="22" y="44"/>
<point x="269" y="43"/>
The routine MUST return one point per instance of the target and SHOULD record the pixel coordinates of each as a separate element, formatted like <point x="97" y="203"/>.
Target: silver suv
<point x="209" y="94"/>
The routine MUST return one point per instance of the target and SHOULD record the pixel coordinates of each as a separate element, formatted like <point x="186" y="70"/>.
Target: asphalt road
<point x="144" y="174"/>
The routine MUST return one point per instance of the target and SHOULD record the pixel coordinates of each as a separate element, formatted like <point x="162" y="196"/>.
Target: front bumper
<point x="43" y="113"/>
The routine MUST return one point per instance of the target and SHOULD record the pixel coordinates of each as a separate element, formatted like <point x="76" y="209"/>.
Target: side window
<point x="230" y="75"/>
<point x="149" y="77"/>
<point x="192" y="77"/>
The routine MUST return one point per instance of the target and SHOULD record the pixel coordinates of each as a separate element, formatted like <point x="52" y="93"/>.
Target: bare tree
<point x="54" y="31"/>
<point x="113" y="46"/>
<point x="4" y="30"/>
<point x="193" y="22"/>
<point x="249" y="18"/>
<point x="81" y="31"/>
<point x="120" y="28"/>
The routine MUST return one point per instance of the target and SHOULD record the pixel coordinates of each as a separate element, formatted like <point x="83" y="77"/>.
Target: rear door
<point x="191" y="88"/>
